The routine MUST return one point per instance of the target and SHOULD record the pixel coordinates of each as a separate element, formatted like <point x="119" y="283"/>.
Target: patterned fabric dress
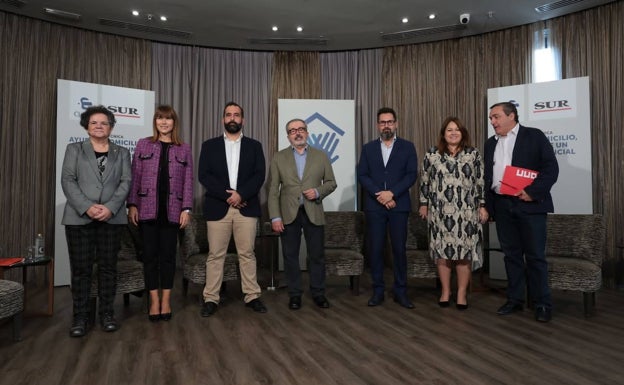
<point x="452" y="188"/>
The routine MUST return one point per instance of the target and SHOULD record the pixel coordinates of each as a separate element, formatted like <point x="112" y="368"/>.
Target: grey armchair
<point x="344" y="240"/>
<point x="194" y="252"/>
<point x="419" y="263"/>
<point x="574" y="251"/>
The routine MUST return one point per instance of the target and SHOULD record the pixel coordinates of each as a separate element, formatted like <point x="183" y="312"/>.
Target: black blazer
<point x="213" y="175"/>
<point x="532" y="150"/>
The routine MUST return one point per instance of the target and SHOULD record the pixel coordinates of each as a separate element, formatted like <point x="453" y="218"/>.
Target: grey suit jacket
<point x="83" y="186"/>
<point x="285" y="187"/>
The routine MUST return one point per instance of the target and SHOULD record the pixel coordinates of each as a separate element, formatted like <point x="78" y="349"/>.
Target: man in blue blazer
<point x="231" y="169"/>
<point x="521" y="218"/>
<point x="387" y="169"/>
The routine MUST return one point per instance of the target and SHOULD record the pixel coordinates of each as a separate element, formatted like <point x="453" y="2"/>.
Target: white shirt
<point x="502" y="156"/>
<point x="386" y="150"/>
<point x="232" y="155"/>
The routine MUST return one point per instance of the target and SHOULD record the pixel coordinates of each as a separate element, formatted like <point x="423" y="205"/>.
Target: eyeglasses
<point x="298" y="130"/>
<point x="386" y="122"/>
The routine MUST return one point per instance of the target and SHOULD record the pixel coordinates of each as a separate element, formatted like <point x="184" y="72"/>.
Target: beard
<point x="387" y="134"/>
<point x="233" y="127"/>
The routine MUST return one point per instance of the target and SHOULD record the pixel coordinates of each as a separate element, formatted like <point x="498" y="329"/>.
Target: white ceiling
<point x="328" y="25"/>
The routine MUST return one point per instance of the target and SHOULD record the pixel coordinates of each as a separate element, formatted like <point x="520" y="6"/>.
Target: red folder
<point x="5" y="262"/>
<point x="516" y="179"/>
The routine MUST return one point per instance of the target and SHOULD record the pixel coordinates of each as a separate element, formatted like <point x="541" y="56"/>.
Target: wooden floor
<point x="346" y="344"/>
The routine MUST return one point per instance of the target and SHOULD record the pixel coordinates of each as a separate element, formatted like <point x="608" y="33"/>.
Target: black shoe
<point x="294" y="303"/>
<point x="79" y="327"/>
<point x="543" y="313"/>
<point x="321" y="301"/>
<point x="166" y="316"/>
<point x="508" y="308"/>
<point x="108" y="322"/>
<point x="461" y="306"/>
<point x="376" y="300"/>
<point x="256" y="305"/>
<point x="153" y="317"/>
<point x="403" y="301"/>
<point x="208" y="309"/>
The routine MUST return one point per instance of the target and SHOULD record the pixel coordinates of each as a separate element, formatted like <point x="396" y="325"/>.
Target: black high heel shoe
<point x="462" y="306"/>
<point x="153" y="317"/>
<point x="166" y="316"/>
<point x="446" y="303"/>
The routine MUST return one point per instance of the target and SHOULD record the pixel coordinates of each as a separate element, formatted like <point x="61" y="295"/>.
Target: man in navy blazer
<point x="521" y="218"/>
<point x="232" y="171"/>
<point x="387" y="169"/>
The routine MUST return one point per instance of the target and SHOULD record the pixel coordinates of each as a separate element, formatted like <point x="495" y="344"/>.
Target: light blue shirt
<point x="386" y="150"/>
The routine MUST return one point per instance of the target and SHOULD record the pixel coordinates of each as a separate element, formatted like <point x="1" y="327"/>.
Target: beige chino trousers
<point x="219" y="233"/>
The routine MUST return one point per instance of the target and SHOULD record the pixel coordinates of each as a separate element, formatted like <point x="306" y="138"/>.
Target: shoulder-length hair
<point x="167" y="112"/>
<point x="465" y="140"/>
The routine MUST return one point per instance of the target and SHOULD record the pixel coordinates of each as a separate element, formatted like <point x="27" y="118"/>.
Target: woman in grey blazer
<point x="96" y="180"/>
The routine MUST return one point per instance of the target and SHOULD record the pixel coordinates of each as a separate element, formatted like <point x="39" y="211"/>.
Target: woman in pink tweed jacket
<point x="161" y="209"/>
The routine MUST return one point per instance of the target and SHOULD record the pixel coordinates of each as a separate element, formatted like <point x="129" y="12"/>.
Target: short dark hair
<point x="508" y="108"/>
<point x="386" y="110"/>
<point x="229" y="104"/>
<point x="296" y="120"/>
<point x="465" y="140"/>
<point x="86" y="116"/>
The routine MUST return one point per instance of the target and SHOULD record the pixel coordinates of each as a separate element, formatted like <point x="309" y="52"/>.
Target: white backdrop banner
<point x="561" y="109"/>
<point x="331" y="127"/>
<point x="133" y="110"/>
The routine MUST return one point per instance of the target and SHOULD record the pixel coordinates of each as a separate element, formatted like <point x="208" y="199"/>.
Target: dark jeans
<point x="315" y="240"/>
<point x="378" y="223"/>
<point x="523" y="240"/>
<point x="96" y="242"/>
<point x="159" y="251"/>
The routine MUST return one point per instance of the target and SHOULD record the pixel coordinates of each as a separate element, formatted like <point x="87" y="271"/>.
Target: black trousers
<point x="315" y="240"/>
<point x="96" y="242"/>
<point x="160" y="241"/>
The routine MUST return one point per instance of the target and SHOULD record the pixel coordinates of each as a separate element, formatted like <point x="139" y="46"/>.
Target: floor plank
<point x="348" y="343"/>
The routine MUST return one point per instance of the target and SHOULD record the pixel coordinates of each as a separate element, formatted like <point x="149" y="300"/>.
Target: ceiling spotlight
<point x="299" y="28"/>
<point x="432" y="16"/>
<point x="135" y="13"/>
<point x="163" y="18"/>
<point x="404" y="20"/>
<point x="274" y="28"/>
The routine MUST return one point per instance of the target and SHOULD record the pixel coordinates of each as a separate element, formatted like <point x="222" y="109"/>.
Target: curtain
<point x="590" y="45"/>
<point x="198" y="82"/>
<point x="36" y="54"/>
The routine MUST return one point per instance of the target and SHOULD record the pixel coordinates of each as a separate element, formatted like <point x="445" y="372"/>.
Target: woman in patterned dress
<point x="452" y="200"/>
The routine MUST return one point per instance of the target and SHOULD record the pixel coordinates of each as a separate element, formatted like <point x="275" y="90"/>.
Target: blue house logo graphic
<point x="327" y="139"/>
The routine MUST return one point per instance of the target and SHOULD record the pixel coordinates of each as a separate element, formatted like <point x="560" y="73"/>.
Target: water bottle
<point x="39" y="246"/>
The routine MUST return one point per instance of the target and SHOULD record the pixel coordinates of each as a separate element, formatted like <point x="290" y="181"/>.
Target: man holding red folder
<point x="521" y="217"/>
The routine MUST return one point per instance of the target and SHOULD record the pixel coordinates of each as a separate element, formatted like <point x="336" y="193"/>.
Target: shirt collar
<point x="394" y="138"/>
<point x="240" y="137"/>
<point x="514" y="132"/>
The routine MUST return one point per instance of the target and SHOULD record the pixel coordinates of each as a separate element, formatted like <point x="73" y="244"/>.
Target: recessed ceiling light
<point x="404" y="20"/>
<point x="299" y="29"/>
<point x="274" y="28"/>
<point x="432" y="16"/>
<point x="163" y="18"/>
<point x="135" y="13"/>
